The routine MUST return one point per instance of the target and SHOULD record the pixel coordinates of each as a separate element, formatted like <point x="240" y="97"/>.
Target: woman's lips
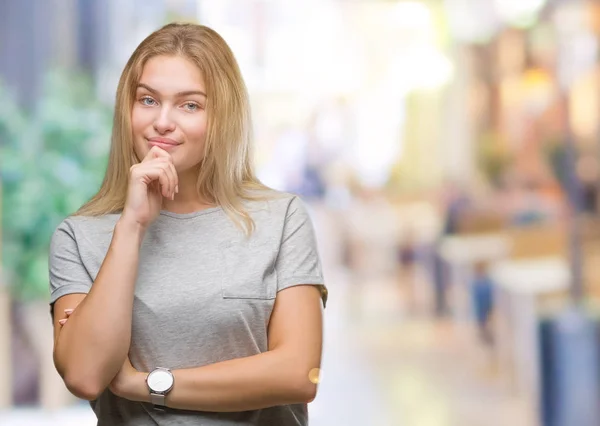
<point x="163" y="143"/>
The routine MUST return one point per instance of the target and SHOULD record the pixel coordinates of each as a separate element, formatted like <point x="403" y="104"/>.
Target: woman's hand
<point x="149" y="181"/>
<point x="128" y="383"/>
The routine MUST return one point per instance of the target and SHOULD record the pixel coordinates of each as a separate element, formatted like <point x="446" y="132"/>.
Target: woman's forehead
<point x="172" y="75"/>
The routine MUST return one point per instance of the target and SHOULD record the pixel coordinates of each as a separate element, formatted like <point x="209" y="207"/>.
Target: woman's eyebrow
<point x="178" y="94"/>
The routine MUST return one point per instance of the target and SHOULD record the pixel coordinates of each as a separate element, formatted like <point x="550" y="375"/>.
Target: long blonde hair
<point x="226" y="177"/>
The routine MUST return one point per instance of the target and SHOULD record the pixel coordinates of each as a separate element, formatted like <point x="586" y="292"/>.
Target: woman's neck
<point x="186" y="199"/>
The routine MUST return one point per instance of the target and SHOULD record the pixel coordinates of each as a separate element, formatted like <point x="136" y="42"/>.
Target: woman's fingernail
<point x="68" y="311"/>
<point x="176" y="189"/>
<point x="62" y="321"/>
<point x="173" y="196"/>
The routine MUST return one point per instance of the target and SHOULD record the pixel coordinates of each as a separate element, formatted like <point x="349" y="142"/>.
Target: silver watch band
<point x="158" y="400"/>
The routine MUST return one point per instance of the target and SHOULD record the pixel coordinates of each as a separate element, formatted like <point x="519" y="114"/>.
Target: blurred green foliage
<point x="52" y="159"/>
<point x="493" y="156"/>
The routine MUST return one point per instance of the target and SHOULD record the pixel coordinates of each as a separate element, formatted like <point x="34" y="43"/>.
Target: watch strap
<point x="158" y="401"/>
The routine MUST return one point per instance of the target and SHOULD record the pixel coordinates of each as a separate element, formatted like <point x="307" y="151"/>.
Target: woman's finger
<point x="165" y="179"/>
<point x="158" y="172"/>
<point x="175" y="176"/>
<point x="68" y="313"/>
<point x="156" y="152"/>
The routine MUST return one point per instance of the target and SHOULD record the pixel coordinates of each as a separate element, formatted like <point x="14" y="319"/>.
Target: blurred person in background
<point x="482" y="295"/>
<point x="186" y="292"/>
<point x="455" y="203"/>
<point x="407" y="258"/>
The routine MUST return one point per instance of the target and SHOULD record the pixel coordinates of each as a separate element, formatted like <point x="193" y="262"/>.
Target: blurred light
<point x="539" y="89"/>
<point x="314" y="376"/>
<point x="584" y="103"/>
<point x="420" y="68"/>
<point x="379" y="144"/>
<point x="471" y="20"/>
<point x="411" y="14"/>
<point x="521" y="13"/>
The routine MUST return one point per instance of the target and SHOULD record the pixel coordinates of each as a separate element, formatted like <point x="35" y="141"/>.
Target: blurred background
<point x="449" y="154"/>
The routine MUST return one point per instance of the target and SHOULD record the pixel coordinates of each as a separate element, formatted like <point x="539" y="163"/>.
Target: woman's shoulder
<point x="87" y="225"/>
<point x="272" y="201"/>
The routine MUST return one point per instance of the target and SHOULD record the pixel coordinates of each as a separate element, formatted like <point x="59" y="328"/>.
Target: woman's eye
<point x="147" y="101"/>
<point x="191" y="106"/>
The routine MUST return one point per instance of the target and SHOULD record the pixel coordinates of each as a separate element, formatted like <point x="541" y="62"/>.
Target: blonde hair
<point x="226" y="177"/>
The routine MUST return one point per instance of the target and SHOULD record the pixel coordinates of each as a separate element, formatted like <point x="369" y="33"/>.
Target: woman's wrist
<point x="134" y="388"/>
<point x="130" y="228"/>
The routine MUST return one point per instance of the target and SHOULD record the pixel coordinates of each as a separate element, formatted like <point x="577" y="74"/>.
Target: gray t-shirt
<point x="204" y="294"/>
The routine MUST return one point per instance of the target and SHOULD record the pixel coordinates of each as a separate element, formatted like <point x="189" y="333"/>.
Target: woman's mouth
<point x="163" y="143"/>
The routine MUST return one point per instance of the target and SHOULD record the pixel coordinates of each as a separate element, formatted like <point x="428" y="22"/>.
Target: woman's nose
<point x="163" y="123"/>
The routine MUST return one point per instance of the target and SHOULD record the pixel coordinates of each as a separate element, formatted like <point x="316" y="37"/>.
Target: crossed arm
<point x="281" y="375"/>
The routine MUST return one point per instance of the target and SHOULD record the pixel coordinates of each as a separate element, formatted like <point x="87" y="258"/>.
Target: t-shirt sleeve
<point x="298" y="262"/>
<point x="67" y="273"/>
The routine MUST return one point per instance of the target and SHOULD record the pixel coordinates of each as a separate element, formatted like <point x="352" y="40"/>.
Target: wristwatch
<point x="160" y="381"/>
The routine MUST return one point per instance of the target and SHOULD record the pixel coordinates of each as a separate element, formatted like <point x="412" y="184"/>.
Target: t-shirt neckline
<point x="190" y="215"/>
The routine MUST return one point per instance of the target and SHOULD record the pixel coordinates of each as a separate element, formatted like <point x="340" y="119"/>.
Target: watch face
<point x="160" y="381"/>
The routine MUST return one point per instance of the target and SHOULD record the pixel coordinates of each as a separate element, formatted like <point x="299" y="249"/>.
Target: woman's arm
<point x="90" y="348"/>
<point x="286" y="374"/>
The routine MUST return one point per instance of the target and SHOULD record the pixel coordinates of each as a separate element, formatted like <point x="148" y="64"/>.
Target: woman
<point x="186" y="292"/>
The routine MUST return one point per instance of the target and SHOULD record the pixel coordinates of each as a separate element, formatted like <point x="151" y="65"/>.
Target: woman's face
<point x="169" y="111"/>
